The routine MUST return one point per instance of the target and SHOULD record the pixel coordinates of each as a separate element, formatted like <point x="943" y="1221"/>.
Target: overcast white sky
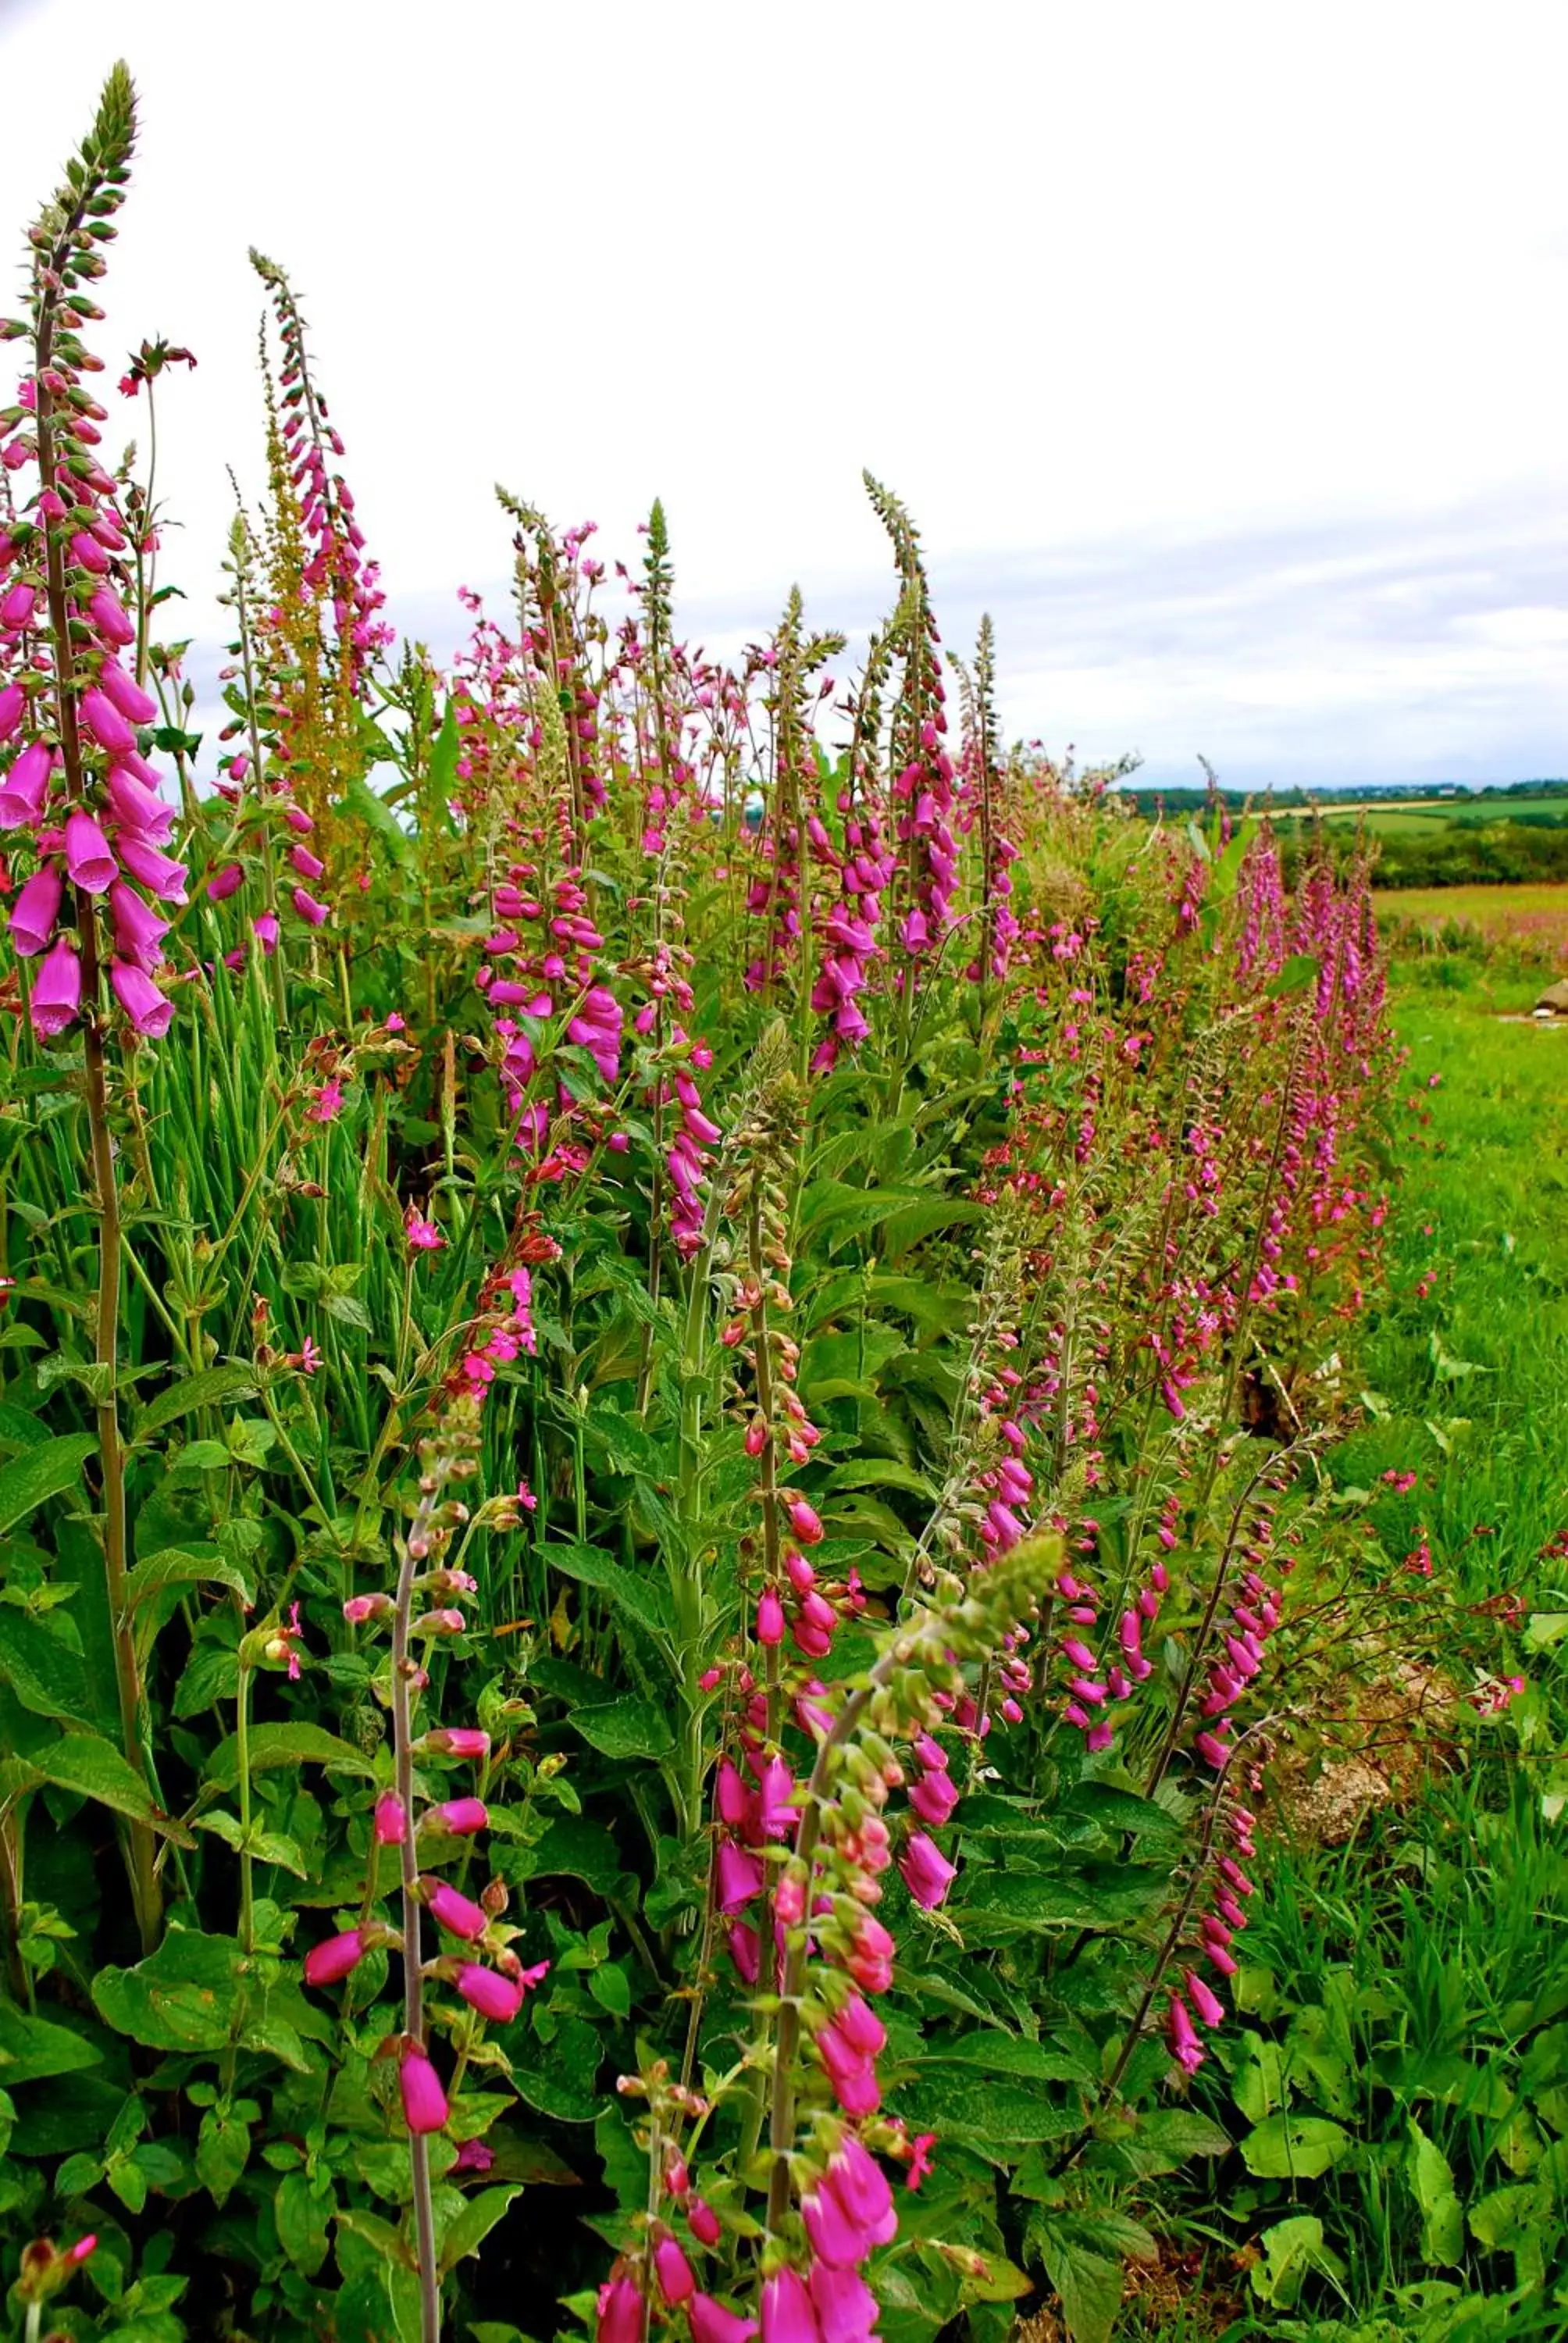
<point x="1219" y="350"/>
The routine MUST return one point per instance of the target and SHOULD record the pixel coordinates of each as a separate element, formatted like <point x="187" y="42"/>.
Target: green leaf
<point x="222" y="2153"/>
<point x="41" y="1473"/>
<point x="1431" y="2185"/>
<point x="1295" y="2147"/>
<point x="185" y="1566"/>
<point x="182" y="1998"/>
<point x="1008" y="2053"/>
<point x="34" y="2049"/>
<point x="1088" y="2284"/>
<point x="45" y="1677"/>
<point x="990" y="2116"/>
<point x="879" y="1473"/>
<point x="473" y="2223"/>
<point x="214" y="1387"/>
<point x="1299" y="970"/>
<point x="284" y="1745"/>
<point x="624" y="1729"/>
<point x="86" y="1763"/>
<point x="375" y="2232"/>
<point x="302" y="2210"/>
<point x="1290" y="2251"/>
<point x="1092" y="1895"/>
<point x="645" y="1601"/>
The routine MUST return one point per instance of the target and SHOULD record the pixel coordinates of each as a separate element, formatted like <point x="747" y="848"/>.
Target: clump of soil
<point x="1400" y="1729"/>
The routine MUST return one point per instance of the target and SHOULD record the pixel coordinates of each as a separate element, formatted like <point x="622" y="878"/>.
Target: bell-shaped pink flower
<point x="160" y="873"/>
<point x="740" y="1877"/>
<point x="703" y="2222"/>
<point x="673" y="2271"/>
<point x="107" y="613"/>
<point x="13" y="708"/>
<point x="776" y="1787"/>
<point x="711" y="2323"/>
<point x="56" y="995"/>
<point x="390" y="1819"/>
<point x="805" y="1520"/>
<point x="34" y="912"/>
<point x="861" y="2028"/>
<point x="788" y="2316"/>
<point x="1185" y="2047"/>
<point x="618" y="2312"/>
<point x="89" y="856"/>
<point x="24" y="787"/>
<point x="138" y="930"/>
<point x="308" y="908"/>
<point x="927" y="1873"/>
<point x="138" y="706"/>
<point x="307" y="865"/>
<point x="457" y="1914"/>
<point x="329" y="1962"/>
<point x="462" y="1817"/>
<point x="16" y="607"/>
<point x="769" y="1617"/>
<point x="495" y="1996"/>
<point x="149" y="1011"/>
<point x="137" y="808"/>
<point x="855" y="2177"/>
<point x="104" y="721"/>
<point x="835" y="2237"/>
<point x="226" y="882"/>
<point x="1207" y="2003"/>
<point x="425" y="2107"/>
<point x="846" y="2308"/>
<point x="933" y="1798"/>
<point x="458" y="1741"/>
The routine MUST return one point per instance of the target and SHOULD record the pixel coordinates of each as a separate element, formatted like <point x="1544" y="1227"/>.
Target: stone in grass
<point x="1554" y="1001"/>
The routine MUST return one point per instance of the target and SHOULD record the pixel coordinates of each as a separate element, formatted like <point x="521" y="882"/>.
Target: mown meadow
<point x="716" y="1405"/>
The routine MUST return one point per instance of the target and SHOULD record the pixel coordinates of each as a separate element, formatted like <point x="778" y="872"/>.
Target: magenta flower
<point x="672" y="2269"/>
<point x="88" y="856"/>
<point x="462" y="1817"/>
<point x="423" y="1236"/>
<point x="836" y="2238"/>
<point x="740" y="1877"/>
<point x="103" y="720"/>
<point x="264" y="928"/>
<point x="845" y="2306"/>
<point x="1207" y="2003"/>
<point x="13" y="708"/>
<point x="390" y="1819"/>
<point x="933" y="1798"/>
<point x="458" y="1741"/>
<point x="711" y="2323"/>
<point x="24" y="787"/>
<point x="927" y="1873"/>
<point x="105" y="609"/>
<point x="326" y="1963"/>
<point x="138" y="930"/>
<point x="57" y="996"/>
<point x="308" y="908"/>
<point x="226" y="882"/>
<point x="474" y="2157"/>
<point x="158" y="872"/>
<point x="1185" y="2047"/>
<point x="149" y="1011"/>
<point x="771" y="1617"/>
<point x="618" y="2311"/>
<point x="787" y="2313"/>
<point x="425" y="2107"/>
<point x="805" y="1522"/>
<point x="308" y="866"/>
<point x="458" y="1914"/>
<point x="703" y="2222"/>
<point x="327" y="1103"/>
<point x="495" y="1996"/>
<point x="36" y="912"/>
<point x="138" y="706"/>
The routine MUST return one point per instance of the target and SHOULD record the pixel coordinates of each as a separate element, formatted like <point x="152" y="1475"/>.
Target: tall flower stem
<point x="413" y="1551"/>
<point x="145" y="1893"/>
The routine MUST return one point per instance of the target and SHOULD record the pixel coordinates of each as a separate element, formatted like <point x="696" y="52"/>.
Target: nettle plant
<point x="665" y="1332"/>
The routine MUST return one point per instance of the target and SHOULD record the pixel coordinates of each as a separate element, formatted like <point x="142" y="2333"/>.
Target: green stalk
<point x="145" y="1894"/>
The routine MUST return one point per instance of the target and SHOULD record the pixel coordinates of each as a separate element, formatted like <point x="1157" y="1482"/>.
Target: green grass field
<point x="1408" y="1993"/>
<point x="1535" y="917"/>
